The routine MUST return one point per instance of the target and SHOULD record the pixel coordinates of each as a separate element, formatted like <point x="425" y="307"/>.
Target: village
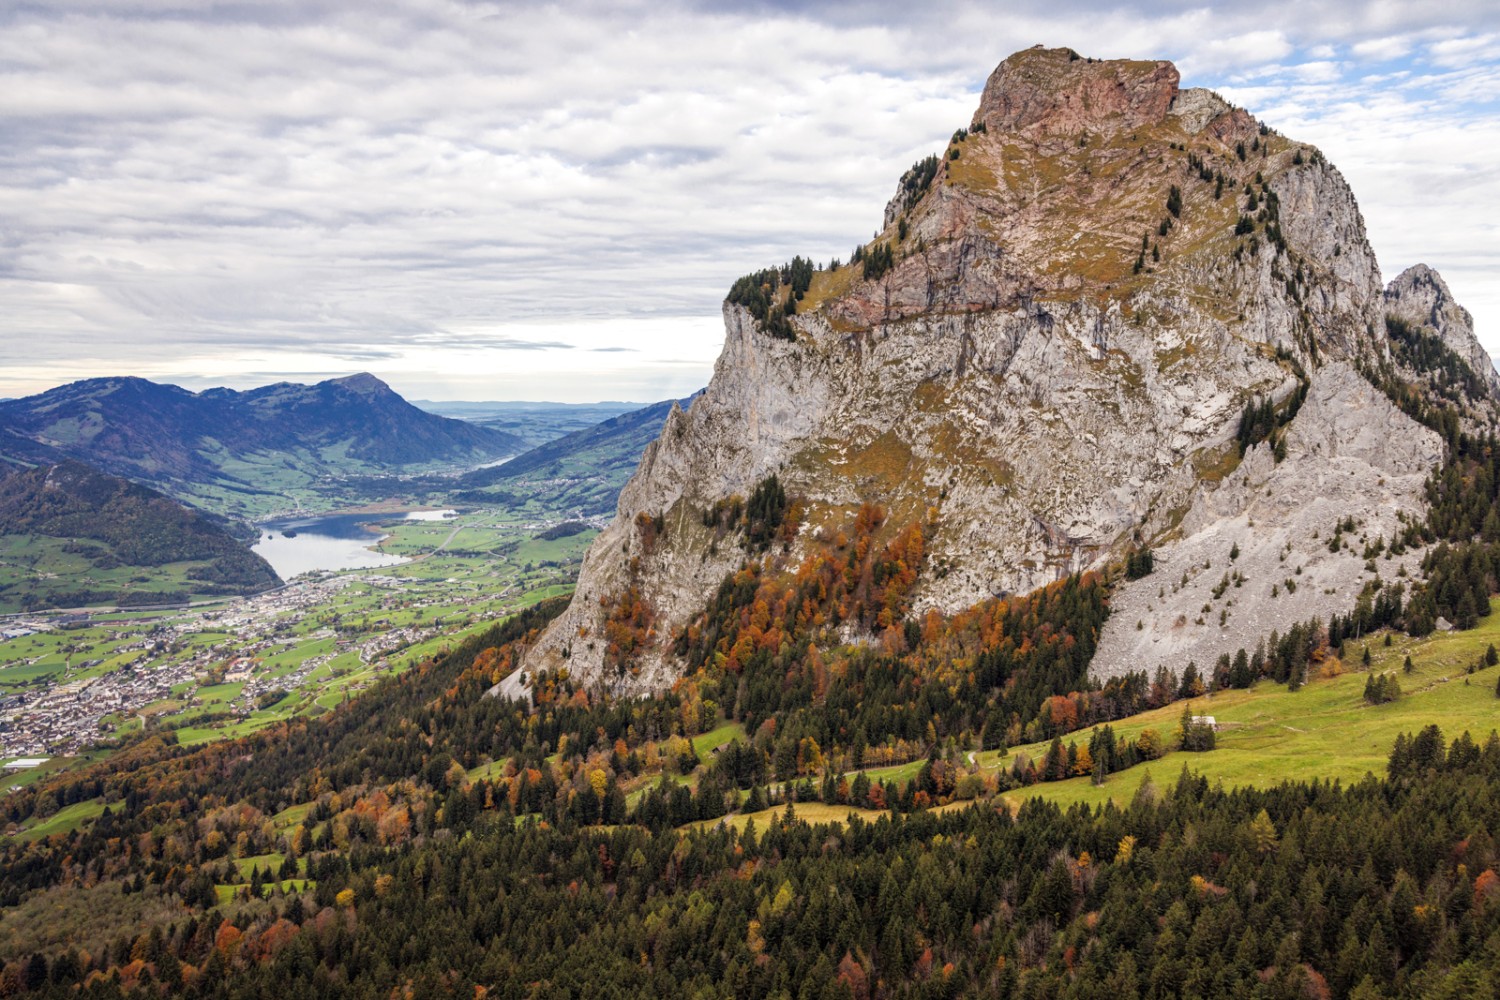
<point x="71" y="715"/>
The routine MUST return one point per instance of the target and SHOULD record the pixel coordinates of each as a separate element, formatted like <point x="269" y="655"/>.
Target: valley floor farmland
<point x="69" y="682"/>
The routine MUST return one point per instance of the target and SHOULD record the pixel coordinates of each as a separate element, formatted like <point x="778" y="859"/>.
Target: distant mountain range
<point x="71" y="536"/>
<point x="240" y="452"/>
<point x="581" y="472"/>
<point x="534" y="423"/>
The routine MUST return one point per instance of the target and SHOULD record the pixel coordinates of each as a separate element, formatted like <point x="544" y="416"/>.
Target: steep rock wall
<point x="1420" y="296"/>
<point x="1079" y="305"/>
<point x="1349" y="454"/>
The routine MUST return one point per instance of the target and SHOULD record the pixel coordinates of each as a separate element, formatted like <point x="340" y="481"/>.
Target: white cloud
<point x="1318" y="71"/>
<point x="1249" y="48"/>
<point x="196" y="188"/>
<point x="1458" y="53"/>
<point x="1382" y="49"/>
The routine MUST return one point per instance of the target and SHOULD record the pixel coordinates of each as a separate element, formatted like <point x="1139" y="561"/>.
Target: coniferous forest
<point x="427" y="840"/>
<point x="402" y="878"/>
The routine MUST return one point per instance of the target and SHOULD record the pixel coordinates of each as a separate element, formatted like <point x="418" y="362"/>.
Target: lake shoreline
<point x="334" y="542"/>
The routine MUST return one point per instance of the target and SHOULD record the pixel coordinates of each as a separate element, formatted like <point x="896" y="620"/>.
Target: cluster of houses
<point x="66" y="717"/>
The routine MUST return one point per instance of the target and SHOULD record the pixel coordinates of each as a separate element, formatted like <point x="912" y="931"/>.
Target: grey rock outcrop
<point x="1198" y="106"/>
<point x="1349" y="454"/>
<point x="1420" y="296"/>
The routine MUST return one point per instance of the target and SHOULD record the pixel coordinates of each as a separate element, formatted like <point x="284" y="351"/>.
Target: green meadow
<point x="1269" y="734"/>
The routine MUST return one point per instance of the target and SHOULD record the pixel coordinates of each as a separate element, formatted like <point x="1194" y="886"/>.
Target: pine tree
<point x="1241" y="674"/>
<point x="1055" y="763"/>
<point x="1465" y="616"/>
<point x="1399" y="762"/>
<point x="1263" y="833"/>
<point x="1427" y="749"/>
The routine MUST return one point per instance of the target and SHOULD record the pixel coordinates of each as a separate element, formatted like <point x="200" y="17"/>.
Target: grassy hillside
<point x="1269" y="734"/>
<point x="72" y="536"/>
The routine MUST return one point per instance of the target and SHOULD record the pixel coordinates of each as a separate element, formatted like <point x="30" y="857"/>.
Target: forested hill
<point x="582" y="471"/>
<point x="366" y="855"/>
<point x="221" y="445"/>
<point x="74" y="536"/>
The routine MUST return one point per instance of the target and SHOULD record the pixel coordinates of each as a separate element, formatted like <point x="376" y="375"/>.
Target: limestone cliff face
<point x="1349" y="454"/>
<point x="1084" y="292"/>
<point x="1420" y="296"/>
<point x="1041" y="93"/>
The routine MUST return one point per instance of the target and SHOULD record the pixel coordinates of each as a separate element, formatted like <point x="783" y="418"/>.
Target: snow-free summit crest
<point x="1043" y="363"/>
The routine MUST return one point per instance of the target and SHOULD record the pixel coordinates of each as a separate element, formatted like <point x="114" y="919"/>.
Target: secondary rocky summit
<point x="1045" y="359"/>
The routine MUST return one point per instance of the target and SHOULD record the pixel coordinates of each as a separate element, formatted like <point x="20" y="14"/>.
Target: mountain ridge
<point x="582" y="470"/>
<point x="206" y="446"/>
<point x="539" y="456"/>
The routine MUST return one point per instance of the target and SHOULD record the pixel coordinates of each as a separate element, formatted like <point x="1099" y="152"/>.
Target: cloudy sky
<point x="495" y="201"/>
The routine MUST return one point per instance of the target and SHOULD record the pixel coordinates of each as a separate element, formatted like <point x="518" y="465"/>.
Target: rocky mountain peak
<point x="1096" y="184"/>
<point x="363" y="383"/>
<point x="1111" y="315"/>
<point x="1058" y="92"/>
<point x="1420" y="296"/>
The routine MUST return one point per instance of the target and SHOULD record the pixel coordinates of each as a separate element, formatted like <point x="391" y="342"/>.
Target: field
<point x="704" y="743"/>
<point x="812" y="812"/>
<point x="39" y="571"/>
<point x="68" y="818"/>
<point x="1268" y="734"/>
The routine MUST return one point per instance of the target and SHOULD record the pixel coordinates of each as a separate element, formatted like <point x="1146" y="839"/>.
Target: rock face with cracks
<point x="1253" y="553"/>
<point x="1083" y="294"/>
<point x="1420" y="296"/>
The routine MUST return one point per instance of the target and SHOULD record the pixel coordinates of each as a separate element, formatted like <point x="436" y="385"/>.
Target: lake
<point x="332" y="541"/>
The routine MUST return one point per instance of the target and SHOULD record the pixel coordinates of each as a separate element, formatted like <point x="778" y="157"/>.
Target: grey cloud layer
<point x="358" y="180"/>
